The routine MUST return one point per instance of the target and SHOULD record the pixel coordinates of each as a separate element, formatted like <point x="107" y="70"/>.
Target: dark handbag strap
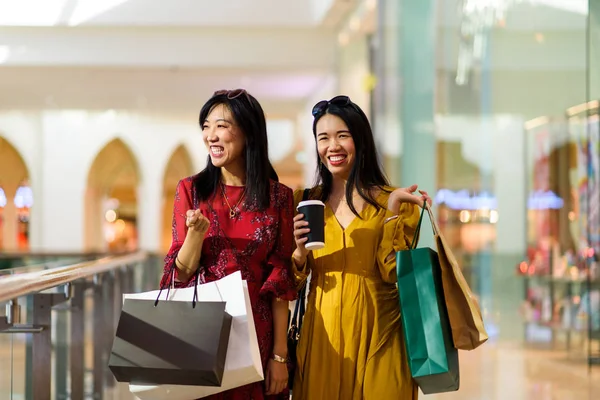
<point x="299" y="308"/>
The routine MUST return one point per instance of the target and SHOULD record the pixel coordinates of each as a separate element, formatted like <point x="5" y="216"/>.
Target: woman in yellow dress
<point x="351" y="345"/>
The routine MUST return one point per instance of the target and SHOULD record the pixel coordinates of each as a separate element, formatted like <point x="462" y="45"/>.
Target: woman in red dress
<point x="231" y="217"/>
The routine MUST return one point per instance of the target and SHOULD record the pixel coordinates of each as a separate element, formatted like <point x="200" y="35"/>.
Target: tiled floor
<point x="493" y="372"/>
<point x="508" y="372"/>
<point x="499" y="372"/>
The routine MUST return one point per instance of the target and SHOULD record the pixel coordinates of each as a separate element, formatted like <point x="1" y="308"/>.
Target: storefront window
<point x="492" y="106"/>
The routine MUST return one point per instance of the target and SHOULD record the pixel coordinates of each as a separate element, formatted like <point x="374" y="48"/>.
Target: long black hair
<point x="249" y="116"/>
<point x="366" y="172"/>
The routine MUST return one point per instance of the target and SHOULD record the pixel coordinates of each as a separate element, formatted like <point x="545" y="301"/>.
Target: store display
<point x="562" y="284"/>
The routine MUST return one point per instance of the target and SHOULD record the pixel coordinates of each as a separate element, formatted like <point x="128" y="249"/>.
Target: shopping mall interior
<point x="492" y="106"/>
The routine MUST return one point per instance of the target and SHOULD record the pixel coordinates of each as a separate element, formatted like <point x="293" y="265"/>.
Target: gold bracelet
<point x="279" y="359"/>
<point x="185" y="267"/>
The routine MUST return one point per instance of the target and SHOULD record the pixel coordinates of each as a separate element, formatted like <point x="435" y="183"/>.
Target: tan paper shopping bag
<point x="468" y="331"/>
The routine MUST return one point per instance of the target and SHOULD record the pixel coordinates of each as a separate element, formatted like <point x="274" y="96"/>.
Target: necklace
<point x="233" y="211"/>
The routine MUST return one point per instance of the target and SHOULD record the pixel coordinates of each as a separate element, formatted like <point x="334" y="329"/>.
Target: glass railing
<point x="21" y="268"/>
<point x="20" y="260"/>
<point x="57" y="331"/>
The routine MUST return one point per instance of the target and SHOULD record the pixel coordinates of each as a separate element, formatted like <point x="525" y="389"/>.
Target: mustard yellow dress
<point x="351" y="344"/>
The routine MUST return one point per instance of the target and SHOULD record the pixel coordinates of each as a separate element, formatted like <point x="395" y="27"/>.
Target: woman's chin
<point x="218" y="161"/>
<point x="340" y="173"/>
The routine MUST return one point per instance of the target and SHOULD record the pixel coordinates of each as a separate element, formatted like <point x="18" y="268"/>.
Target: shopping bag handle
<point x="434" y="226"/>
<point x="172" y="285"/>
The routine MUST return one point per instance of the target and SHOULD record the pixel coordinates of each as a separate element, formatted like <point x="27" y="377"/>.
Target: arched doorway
<point x="16" y="199"/>
<point x="179" y="166"/>
<point x="111" y="200"/>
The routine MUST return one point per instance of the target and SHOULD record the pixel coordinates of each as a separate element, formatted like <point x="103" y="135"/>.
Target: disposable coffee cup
<point x="314" y="213"/>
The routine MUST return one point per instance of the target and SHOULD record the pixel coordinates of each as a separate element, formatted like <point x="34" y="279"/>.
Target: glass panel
<point x="590" y="301"/>
<point x="475" y="111"/>
<point x="13" y="356"/>
<point x="94" y="305"/>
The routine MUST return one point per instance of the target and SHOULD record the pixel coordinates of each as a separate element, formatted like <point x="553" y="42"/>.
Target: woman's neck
<point x="233" y="175"/>
<point x="338" y="188"/>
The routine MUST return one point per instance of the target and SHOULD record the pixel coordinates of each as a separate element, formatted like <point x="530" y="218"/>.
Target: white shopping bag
<point x="243" y="363"/>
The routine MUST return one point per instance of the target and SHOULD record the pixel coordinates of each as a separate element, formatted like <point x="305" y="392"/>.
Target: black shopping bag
<point x="172" y="343"/>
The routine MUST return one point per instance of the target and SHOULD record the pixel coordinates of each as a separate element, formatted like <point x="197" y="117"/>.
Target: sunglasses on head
<point x="233" y="94"/>
<point x="340" y="101"/>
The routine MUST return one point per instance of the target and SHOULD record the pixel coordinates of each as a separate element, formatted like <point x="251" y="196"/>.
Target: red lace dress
<point x="257" y="243"/>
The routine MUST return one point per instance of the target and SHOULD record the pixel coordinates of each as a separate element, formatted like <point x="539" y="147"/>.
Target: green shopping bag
<point x="432" y="358"/>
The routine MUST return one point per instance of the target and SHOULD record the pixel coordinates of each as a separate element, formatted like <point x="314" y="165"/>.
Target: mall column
<point x="149" y="218"/>
<point x="417" y="63"/>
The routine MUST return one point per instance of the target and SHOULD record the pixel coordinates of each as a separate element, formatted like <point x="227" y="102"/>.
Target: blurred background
<point x="490" y="105"/>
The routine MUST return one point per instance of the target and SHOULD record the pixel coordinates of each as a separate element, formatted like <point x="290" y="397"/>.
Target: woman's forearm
<point x="189" y="255"/>
<point x="280" y="326"/>
<point x="299" y="260"/>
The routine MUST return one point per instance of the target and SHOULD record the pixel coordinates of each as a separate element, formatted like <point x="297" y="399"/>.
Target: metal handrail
<point x="18" y="285"/>
<point x="42" y="266"/>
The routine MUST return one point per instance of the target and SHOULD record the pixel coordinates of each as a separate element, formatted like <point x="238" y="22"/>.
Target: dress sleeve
<point x="183" y="203"/>
<point x="280" y="281"/>
<point x="397" y="235"/>
<point x="300" y="275"/>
